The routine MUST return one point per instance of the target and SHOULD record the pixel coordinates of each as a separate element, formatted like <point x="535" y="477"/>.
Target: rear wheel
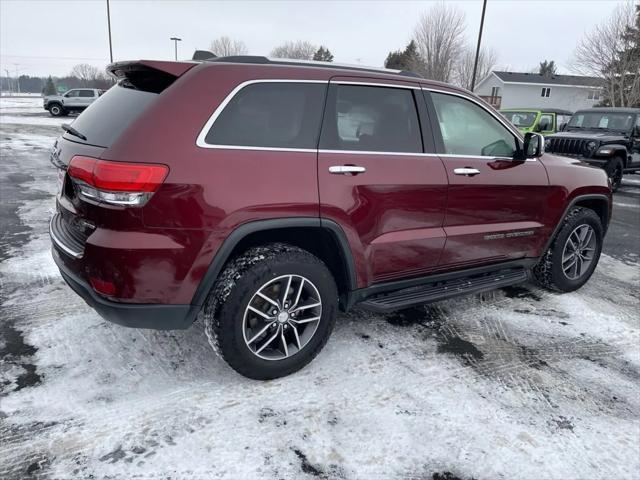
<point x="56" y="110"/>
<point x="271" y="311"/>
<point x="614" y="170"/>
<point x="573" y="254"/>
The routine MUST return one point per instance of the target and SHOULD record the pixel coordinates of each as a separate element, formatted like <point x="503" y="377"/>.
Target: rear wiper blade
<point x="69" y="129"/>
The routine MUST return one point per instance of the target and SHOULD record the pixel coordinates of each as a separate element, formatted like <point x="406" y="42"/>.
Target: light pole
<point x="475" y="63"/>
<point x="109" y="28"/>
<point x="175" y="41"/>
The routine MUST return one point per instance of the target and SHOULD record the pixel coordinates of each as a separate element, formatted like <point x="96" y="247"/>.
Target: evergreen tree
<point x="547" y="68"/>
<point x="323" y="55"/>
<point x="407" y="59"/>
<point x="49" y="87"/>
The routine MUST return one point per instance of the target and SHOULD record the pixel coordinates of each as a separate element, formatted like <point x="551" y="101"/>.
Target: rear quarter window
<point x="270" y="115"/>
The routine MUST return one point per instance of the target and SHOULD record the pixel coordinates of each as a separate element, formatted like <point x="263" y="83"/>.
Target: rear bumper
<point x="154" y="316"/>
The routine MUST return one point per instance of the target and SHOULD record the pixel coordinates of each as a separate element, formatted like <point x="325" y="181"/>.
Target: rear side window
<point x="271" y="115"/>
<point x="106" y="118"/>
<point x="86" y="93"/>
<point x="375" y="119"/>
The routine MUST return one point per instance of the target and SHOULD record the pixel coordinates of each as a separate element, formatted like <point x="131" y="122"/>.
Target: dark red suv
<point x="264" y="195"/>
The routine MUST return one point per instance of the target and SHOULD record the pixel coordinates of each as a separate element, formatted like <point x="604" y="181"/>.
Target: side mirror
<point x="533" y="145"/>
<point x="538" y="127"/>
<point x="562" y="126"/>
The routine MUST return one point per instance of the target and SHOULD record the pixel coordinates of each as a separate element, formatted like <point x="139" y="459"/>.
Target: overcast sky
<point x="49" y="37"/>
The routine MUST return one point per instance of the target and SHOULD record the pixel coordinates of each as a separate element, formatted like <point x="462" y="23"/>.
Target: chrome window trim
<point x="373" y="84"/>
<point x="373" y="152"/>
<point x="200" y="140"/>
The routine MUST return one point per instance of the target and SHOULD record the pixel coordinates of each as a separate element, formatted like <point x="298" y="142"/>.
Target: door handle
<point x="346" y="169"/>
<point x="468" y="171"/>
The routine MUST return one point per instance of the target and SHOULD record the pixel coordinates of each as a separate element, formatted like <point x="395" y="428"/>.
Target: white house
<point x="532" y="90"/>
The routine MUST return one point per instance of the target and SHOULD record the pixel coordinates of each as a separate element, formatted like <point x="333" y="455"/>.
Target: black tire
<point x="56" y="110"/>
<point x="224" y="309"/>
<point x="615" y="169"/>
<point x="548" y="272"/>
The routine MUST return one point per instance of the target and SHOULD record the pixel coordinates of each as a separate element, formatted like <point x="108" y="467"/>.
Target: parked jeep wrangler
<point x="605" y="137"/>
<point x="75" y="100"/>
<point x="264" y="195"/>
<point x="546" y="121"/>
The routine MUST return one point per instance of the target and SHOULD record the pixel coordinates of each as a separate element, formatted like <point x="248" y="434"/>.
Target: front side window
<point x="71" y="94"/>
<point x="86" y="93"/>
<point x="272" y="115"/>
<point x="468" y="129"/>
<point x="375" y="119"/>
<point x="546" y="122"/>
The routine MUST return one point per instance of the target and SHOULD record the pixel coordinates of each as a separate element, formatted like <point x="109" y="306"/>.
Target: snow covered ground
<point x="517" y="383"/>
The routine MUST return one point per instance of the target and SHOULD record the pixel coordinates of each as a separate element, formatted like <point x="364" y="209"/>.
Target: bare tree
<point x="605" y="52"/>
<point x="464" y="69"/>
<point x="227" y="47"/>
<point x="439" y="37"/>
<point x="301" y="50"/>
<point x="87" y="74"/>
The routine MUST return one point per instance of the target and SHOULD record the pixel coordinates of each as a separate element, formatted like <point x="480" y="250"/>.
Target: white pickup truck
<point x="74" y="100"/>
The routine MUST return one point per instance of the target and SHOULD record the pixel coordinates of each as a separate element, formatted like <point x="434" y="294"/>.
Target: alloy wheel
<point x="282" y="317"/>
<point x="579" y="252"/>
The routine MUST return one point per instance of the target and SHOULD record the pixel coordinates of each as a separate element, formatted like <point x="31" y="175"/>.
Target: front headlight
<point x="590" y="147"/>
<point x="547" y="144"/>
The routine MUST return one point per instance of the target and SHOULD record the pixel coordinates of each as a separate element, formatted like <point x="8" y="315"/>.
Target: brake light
<point x="116" y="183"/>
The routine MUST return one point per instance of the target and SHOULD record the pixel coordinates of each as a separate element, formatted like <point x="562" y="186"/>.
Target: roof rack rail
<point x="256" y="59"/>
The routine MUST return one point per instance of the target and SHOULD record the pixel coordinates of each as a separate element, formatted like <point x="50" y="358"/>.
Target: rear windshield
<point x="521" y="119"/>
<point x="107" y="117"/>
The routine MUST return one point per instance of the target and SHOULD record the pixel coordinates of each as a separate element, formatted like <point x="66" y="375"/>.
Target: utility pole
<point x="109" y="28"/>
<point x="8" y="80"/>
<point x="475" y="64"/>
<point x="175" y="41"/>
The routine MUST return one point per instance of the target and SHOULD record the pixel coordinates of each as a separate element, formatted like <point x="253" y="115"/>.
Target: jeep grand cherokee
<point x="265" y="195"/>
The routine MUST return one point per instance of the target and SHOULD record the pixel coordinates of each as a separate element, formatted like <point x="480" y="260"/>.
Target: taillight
<point x="116" y="183"/>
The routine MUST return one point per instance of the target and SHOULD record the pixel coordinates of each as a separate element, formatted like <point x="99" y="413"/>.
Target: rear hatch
<point x="84" y="200"/>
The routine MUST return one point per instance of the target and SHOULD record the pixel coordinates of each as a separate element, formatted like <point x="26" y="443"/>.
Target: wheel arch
<point x="323" y="238"/>
<point x="597" y="202"/>
<point x="619" y="151"/>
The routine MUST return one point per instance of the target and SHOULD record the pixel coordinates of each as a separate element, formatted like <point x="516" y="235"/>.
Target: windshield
<point x="621" y="122"/>
<point x="521" y="119"/>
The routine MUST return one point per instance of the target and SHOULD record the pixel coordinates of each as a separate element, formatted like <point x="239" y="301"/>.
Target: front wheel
<point x="615" y="170"/>
<point x="271" y="311"/>
<point x="573" y="254"/>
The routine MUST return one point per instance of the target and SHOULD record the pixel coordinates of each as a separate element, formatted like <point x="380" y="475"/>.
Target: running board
<point x="435" y="291"/>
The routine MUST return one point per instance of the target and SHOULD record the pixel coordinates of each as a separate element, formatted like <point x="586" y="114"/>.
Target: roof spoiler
<point x="148" y="75"/>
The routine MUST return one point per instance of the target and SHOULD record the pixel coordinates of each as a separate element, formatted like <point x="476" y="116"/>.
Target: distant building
<point x="532" y="90"/>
